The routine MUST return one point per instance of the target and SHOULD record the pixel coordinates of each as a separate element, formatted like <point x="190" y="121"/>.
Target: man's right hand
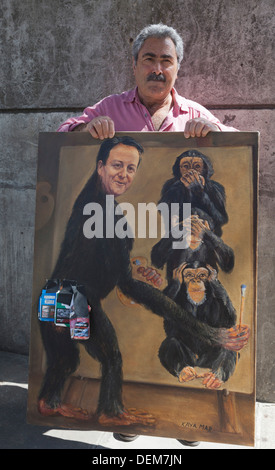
<point x="101" y="127"/>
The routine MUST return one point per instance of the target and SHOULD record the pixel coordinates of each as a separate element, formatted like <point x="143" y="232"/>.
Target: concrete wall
<point x="58" y="56"/>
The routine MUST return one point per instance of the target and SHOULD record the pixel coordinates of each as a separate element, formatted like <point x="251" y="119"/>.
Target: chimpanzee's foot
<point x="212" y="381"/>
<point x="187" y="374"/>
<point x="66" y="410"/>
<point x="127" y="418"/>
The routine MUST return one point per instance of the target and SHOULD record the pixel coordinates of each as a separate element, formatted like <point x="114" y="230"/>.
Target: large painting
<point x="144" y="286"/>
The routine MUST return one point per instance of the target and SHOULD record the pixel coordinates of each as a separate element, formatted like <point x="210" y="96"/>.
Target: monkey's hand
<point x="192" y="179"/>
<point x="177" y="272"/>
<point x="198" y="225"/>
<point x="150" y="275"/>
<point x="235" y="338"/>
<point x="198" y="228"/>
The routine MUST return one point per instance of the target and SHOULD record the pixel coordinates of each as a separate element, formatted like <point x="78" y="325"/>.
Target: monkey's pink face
<point x="120" y="169"/>
<point x="195" y="279"/>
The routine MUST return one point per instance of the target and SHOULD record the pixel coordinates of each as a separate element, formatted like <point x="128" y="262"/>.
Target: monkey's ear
<point x="212" y="273"/>
<point x="99" y="166"/>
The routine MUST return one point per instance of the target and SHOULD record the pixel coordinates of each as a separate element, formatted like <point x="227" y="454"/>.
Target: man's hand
<point x="199" y="127"/>
<point x="101" y="127"/>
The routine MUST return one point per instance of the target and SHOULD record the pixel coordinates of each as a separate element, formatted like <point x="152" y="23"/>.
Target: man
<point x="154" y="105"/>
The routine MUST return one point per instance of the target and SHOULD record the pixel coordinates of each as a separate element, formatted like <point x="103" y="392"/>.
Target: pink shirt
<point x="129" y="114"/>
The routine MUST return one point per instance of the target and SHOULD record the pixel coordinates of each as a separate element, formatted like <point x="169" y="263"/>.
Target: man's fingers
<point x="93" y="132"/>
<point x="199" y="127"/>
<point x="102" y="127"/>
<point x="111" y="128"/>
<point x="209" y="127"/>
<point x="193" y="128"/>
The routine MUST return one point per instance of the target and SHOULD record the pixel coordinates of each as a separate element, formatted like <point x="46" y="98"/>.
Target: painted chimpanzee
<point x="203" y="298"/>
<point x="202" y="244"/>
<point x="100" y="264"/>
<point x="191" y="183"/>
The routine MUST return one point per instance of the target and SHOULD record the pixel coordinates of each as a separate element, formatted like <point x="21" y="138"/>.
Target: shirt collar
<point x="130" y="96"/>
<point x="179" y="101"/>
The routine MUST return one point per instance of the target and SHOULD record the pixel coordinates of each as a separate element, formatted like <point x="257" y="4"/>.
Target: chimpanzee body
<point x="100" y="264"/>
<point x="209" y="199"/>
<point x="181" y="350"/>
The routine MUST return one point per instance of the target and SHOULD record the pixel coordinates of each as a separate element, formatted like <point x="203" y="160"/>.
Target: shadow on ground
<point x="15" y="432"/>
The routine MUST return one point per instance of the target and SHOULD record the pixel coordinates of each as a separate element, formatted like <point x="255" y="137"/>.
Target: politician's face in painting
<point x="120" y="169"/>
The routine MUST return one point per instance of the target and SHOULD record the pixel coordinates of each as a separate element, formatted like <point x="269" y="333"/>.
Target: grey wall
<point x="58" y="56"/>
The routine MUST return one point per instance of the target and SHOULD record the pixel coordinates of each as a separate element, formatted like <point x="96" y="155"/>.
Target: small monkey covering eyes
<point x="203" y="297"/>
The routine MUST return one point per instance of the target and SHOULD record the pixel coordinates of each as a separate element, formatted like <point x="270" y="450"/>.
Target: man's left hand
<point x="199" y="127"/>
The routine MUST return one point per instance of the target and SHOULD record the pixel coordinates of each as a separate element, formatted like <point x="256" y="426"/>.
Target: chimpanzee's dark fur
<point x="181" y="350"/>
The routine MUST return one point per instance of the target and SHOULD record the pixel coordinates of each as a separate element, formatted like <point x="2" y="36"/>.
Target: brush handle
<point x="241" y="310"/>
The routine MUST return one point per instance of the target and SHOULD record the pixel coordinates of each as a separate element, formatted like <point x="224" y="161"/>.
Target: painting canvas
<point x="144" y="285"/>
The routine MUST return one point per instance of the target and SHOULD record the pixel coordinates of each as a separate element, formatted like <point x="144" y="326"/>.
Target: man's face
<point x="120" y="169"/>
<point x="156" y="69"/>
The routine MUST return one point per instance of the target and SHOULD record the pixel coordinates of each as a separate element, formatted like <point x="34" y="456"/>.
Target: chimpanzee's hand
<point x="193" y="180"/>
<point x="177" y="272"/>
<point x="198" y="226"/>
<point x="151" y="275"/>
<point x="235" y="338"/>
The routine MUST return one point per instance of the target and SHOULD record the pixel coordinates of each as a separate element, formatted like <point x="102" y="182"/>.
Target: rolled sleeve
<point x="88" y="114"/>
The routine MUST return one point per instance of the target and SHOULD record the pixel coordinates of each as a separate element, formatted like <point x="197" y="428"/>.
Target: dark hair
<point x="109" y="144"/>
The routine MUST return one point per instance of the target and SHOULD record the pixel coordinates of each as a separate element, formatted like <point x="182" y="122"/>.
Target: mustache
<point x="156" y="78"/>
